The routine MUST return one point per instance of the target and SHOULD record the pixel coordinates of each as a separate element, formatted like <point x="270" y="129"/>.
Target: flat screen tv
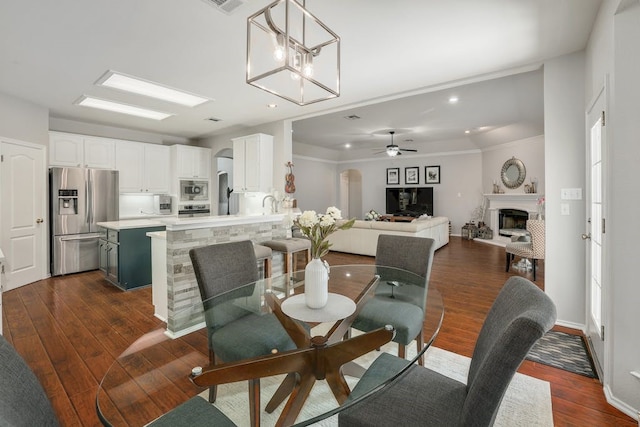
<point x="410" y="201"/>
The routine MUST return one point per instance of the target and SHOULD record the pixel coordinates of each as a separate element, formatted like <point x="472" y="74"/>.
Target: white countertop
<point x="131" y="223"/>
<point x="176" y="224"/>
<point x="162" y="235"/>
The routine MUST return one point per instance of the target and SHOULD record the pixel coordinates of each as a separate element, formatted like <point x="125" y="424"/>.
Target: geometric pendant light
<point x="292" y="54"/>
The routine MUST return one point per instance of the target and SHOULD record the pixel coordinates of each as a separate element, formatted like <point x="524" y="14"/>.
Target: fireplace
<point x="510" y="211"/>
<point x="512" y="221"/>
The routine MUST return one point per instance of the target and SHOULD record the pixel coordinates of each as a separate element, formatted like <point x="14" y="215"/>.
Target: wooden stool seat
<point x="289" y="247"/>
<point x="264" y="254"/>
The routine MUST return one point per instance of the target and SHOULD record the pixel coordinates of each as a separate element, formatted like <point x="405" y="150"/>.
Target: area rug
<point x="564" y="351"/>
<point x="527" y="401"/>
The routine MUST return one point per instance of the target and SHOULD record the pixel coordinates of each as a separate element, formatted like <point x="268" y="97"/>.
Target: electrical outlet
<point x="565" y="209"/>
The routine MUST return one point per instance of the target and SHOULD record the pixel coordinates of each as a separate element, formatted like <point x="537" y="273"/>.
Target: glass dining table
<point x="158" y="373"/>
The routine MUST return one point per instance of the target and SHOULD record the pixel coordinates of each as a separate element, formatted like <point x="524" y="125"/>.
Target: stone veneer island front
<point x="184" y="314"/>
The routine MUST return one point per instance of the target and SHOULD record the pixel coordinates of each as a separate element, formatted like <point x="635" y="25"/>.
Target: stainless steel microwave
<point x="194" y="190"/>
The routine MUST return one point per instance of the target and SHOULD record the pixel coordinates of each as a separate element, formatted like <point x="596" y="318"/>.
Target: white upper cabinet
<point x="253" y="163"/>
<point x="72" y="150"/>
<point x="157" y="164"/>
<point x="191" y="162"/>
<point x="144" y="168"/>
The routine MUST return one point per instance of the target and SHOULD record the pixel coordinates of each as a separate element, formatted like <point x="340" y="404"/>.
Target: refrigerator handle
<point x="89" y="236"/>
<point x="88" y="196"/>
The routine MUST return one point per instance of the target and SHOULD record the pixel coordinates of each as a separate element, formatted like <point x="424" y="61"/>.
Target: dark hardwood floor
<point x="70" y="329"/>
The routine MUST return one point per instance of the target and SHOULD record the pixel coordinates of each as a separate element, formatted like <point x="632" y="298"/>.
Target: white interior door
<point x="596" y="227"/>
<point x="22" y="212"/>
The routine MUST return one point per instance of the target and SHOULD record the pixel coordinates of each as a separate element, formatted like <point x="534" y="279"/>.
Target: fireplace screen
<point x="512" y="221"/>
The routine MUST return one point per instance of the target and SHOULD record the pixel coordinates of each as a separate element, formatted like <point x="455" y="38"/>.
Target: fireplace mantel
<point x="523" y="201"/>
<point x="514" y="196"/>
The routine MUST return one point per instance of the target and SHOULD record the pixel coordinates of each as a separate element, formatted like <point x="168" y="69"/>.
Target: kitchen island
<point x="125" y="253"/>
<point x="183" y="234"/>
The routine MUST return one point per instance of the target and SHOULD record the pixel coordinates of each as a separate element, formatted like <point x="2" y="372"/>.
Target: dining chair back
<point x="235" y="333"/>
<point x="404" y="307"/>
<point x="533" y="249"/>
<point x="23" y="401"/>
<point x="518" y="318"/>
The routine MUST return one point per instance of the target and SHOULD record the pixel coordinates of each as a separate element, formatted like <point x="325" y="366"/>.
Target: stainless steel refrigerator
<point x="79" y="198"/>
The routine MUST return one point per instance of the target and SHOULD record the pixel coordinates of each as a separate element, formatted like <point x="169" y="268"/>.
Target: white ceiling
<point x="51" y="53"/>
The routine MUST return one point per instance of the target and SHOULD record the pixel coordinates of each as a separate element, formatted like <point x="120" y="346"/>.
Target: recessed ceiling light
<point x="103" y="104"/>
<point x="272" y="105"/>
<point x="347" y="145"/>
<point x="467" y="131"/>
<point x="453" y="99"/>
<point x="121" y="81"/>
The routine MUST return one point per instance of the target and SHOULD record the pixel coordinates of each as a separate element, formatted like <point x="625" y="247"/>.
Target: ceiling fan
<point x="393" y="150"/>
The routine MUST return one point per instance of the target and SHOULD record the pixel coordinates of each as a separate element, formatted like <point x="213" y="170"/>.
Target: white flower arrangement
<point x="317" y="227"/>
<point x="372" y="216"/>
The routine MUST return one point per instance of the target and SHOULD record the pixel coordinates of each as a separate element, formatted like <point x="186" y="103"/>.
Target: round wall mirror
<point x="513" y="173"/>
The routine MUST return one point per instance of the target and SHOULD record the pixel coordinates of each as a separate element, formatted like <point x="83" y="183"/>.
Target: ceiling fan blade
<point x="380" y="152"/>
<point x="408" y="149"/>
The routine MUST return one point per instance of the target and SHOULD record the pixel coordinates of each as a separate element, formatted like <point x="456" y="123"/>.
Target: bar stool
<point x="290" y="247"/>
<point x="264" y="255"/>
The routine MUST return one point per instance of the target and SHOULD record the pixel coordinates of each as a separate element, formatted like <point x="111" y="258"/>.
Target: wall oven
<point x="190" y="211"/>
<point x="194" y="190"/>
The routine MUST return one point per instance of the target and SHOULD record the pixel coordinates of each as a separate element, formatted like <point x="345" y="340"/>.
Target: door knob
<point x="39" y="220"/>
<point x="586" y="236"/>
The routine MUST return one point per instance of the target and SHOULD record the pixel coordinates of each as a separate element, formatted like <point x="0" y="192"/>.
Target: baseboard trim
<point x="182" y="332"/>
<point x="620" y="405"/>
<point x="580" y="326"/>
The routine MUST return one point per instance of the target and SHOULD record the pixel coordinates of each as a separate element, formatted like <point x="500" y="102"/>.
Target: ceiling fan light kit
<point x="393" y="150"/>
<point x="292" y="54"/>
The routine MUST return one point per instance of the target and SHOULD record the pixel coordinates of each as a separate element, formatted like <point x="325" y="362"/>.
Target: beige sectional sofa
<point x="362" y="238"/>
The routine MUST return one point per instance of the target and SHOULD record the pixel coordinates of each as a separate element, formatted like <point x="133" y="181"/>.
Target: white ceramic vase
<point x="316" y="283"/>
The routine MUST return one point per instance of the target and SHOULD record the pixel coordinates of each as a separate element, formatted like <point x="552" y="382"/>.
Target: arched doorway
<point x="226" y="201"/>
<point x="351" y="193"/>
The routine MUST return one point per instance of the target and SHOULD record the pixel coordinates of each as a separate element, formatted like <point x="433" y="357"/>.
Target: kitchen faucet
<point x="274" y="203"/>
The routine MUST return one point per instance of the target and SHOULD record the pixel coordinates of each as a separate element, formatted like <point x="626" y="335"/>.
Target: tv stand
<point x="396" y="218"/>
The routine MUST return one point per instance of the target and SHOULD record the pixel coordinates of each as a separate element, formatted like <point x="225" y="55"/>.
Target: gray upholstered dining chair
<point x="401" y="306"/>
<point x="237" y="333"/>
<point x="519" y="316"/>
<point x="23" y="401"/>
<point x="533" y="249"/>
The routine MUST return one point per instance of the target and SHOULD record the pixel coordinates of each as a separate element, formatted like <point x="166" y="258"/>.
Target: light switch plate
<point x="571" y="194"/>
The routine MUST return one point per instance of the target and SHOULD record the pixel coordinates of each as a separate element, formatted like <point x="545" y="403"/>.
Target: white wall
<point x="564" y="107"/>
<point x="24" y="121"/>
<point x="317" y="184"/>
<point x="624" y="157"/>
<point x="530" y="151"/>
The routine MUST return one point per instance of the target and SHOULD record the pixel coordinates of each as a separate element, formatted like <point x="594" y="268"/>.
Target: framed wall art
<point x="411" y="175"/>
<point x="432" y="174"/>
<point x="393" y="176"/>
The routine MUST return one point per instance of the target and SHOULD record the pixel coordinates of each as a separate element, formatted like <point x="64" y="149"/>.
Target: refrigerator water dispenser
<point x="67" y="202"/>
